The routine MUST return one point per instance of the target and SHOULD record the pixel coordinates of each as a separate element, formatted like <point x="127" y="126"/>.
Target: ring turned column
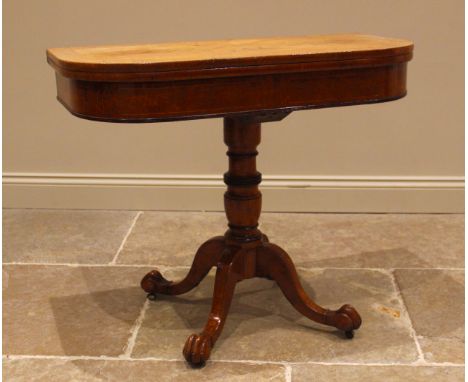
<point x="243" y="252"/>
<point x="242" y="200"/>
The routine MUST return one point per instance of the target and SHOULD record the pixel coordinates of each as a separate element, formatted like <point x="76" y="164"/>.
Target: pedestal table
<point x="246" y="82"/>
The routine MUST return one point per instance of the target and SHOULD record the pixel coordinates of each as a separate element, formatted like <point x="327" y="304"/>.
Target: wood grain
<point x="149" y="83"/>
<point x="112" y="62"/>
<point x="315" y="46"/>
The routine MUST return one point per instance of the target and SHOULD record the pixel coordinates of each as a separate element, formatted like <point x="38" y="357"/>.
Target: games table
<point x="245" y="82"/>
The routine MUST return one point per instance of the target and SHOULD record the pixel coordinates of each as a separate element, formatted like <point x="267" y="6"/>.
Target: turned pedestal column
<point x="243" y="252"/>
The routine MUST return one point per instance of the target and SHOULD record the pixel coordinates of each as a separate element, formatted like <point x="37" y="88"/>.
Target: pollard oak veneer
<point x="246" y="82"/>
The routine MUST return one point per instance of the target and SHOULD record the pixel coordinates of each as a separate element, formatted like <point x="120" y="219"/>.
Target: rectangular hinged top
<point x="229" y="54"/>
<point x="159" y="82"/>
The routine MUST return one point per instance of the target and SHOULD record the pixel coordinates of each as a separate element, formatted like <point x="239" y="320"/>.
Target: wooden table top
<point x="143" y="83"/>
<point x="226" y="53"/>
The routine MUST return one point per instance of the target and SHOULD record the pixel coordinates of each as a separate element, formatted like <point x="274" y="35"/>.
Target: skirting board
<point x="357" y="194"/>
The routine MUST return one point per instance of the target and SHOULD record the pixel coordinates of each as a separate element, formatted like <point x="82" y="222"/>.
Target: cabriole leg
<point x="206" y="257"/>
<point x="198" y="347"/>
<point x="273" y="262"/>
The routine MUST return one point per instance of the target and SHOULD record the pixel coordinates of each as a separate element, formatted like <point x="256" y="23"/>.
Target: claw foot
<point x="346" y="318"/>
<point x="197" y="349"/>
<point x="154" y="282"/>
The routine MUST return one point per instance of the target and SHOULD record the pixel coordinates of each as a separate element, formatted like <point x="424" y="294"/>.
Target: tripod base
<point x="236" y="262"/>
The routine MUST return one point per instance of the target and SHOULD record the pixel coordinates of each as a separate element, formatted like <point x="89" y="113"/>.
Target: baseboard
<point x="405" y="194"/>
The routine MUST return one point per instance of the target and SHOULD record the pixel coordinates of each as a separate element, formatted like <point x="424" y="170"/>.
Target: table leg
<point x="198" y="347"/>
<point x="206" y="257"/>
<point x="274" y="262"/>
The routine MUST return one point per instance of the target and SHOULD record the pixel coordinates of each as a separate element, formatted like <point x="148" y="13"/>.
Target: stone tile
<point x="369" y="240"/>
<point x="60" y="310"/>
<point x="312" y="240"/>
<point x="435" y="300"/>
<point x="334" y="373"/>
<point x="46" y="370"/>
<point x="170" y="238"/>
<point x="63" y="236"/>
<point x="263" y="326"/>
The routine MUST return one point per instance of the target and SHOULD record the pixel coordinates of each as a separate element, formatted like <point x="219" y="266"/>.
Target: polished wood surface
<point x="247" y="82"/>
<point x="243" y="252"/>
<point x="217" y="79"/>
<point x="210" y="54"/>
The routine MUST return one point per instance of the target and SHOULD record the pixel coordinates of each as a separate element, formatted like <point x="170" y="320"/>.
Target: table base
<point x="243" y="252"/>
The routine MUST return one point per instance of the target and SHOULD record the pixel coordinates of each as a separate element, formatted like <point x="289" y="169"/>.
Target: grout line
<point x="86" y="358"/>
<point x="434" y="268"/>
<point x="163" y="267"/>
<point x="323" y="363"/>
<point x="245" y="361"/>
<point x="114" y="260"/>
<point x="421" y="359"/>
<point x="134" y="332"/>
<point x="393" y="364"/>
<point x="287" y="372"/>
<point x="300" y="268"/>
<point x="60" y="357"/>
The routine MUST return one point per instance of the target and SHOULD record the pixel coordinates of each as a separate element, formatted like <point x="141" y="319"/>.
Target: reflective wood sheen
<point x="209" y="54"/>
<point x="146" y="83"/>
<point x="247" y="82"/>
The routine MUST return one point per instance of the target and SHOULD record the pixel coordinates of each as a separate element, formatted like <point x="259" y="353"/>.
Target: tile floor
<point x="73" y="309"/>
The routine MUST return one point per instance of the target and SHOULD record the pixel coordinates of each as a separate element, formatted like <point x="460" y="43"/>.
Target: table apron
<point x="219" y="97"/>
